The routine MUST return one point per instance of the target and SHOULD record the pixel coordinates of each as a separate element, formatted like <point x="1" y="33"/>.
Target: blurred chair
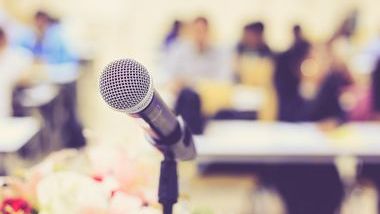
<point x="215" y="96"/>
<point x="257" y="72"/>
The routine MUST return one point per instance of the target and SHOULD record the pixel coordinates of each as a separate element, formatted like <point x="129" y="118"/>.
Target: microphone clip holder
<point x="182" y="149"/>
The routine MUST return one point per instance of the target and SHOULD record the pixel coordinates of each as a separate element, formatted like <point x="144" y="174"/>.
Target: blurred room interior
<point x="283" y="98"/>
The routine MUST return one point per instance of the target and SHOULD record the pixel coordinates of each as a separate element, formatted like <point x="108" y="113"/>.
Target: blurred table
<point x="310" y="168"/>
<point x="277" y="142"/>
<point x="15" y="133"/>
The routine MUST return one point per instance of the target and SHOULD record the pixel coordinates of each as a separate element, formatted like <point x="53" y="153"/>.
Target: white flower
<point x="122" y="204"/>
<point x="69" y="192"/>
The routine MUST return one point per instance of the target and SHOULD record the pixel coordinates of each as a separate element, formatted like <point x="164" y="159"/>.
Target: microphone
<point x="127" y="86"/>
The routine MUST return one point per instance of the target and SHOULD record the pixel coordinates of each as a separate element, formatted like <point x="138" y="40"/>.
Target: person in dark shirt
<point x="253" y="41"/>
<point x="251" y="47"/>
<point x="287" y="80"/>
<point x="298" y="37"/>
<point x="376" y="89"/>
<point x="292" y="106"/>
<point x="306" y="188"/>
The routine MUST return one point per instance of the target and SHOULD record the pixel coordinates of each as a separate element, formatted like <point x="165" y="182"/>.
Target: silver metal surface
<point x="126" y="86"/>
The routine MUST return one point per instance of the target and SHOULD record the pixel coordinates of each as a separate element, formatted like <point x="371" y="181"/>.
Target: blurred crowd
<point x="38" y="74"/>
<point x="331" y="81"/>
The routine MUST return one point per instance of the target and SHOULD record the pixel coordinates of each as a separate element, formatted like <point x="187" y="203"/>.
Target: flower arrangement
<point x="95" y="180"/>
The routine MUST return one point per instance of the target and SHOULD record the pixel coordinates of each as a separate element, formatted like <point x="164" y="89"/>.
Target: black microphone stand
<point x="183" y="149"/>
<point x="168" y="184"/>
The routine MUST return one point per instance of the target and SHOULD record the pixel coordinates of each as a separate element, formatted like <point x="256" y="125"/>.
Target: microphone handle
<point x="161" y="119"/>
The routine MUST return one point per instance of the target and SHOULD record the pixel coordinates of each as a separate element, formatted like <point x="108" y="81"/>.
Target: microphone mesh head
<point x="126" y="86"/>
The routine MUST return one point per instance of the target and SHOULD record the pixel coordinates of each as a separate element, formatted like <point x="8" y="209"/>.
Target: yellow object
<point x="258" y="72"/>
<point x="255" y="71"/>
<point x="215" y="96"/>
<point x="345" y="136"/>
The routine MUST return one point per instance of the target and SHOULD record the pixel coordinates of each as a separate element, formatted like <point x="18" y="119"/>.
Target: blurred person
<point x="254" y="68"/>
<point x="51" y="49"/>
<point x="253" y="41"/>
<point x="287" y="80"/>
<point x="173" y="34"/>
<point x="298" y="37"/>
<point x="14" y="62"/>
<point x="306" y="189"/>
<point x="249" y="52"/>
<point x="48" y="43"/>
<point x="195" y="58"/>
<point x="325" y="104"/>
<point x="340" y="44"/>
<point x="54" y="58"/>
<point x="376" y="90"/>
<point x="344" y="56"/>
<point x="347" y="27"/>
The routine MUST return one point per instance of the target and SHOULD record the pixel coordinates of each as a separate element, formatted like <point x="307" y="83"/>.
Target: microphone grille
<point x="126" y="85"/>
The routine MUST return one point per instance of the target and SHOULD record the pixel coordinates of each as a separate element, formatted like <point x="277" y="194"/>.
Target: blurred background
<point x="283" y="97"/>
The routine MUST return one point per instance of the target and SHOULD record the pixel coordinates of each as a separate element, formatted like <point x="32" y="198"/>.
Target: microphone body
<point x="168" y="133"/>
<point x="159" y="117"/>
<point x="127" y="86"/>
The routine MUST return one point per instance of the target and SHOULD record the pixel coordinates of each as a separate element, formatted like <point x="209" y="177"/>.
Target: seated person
<point x="47" y="42"/>
<point x="292" y="105"/>
<point x="298" y="36"/>
<point x="251" y="46"/>
<point x="13" y="63"/>
<point x="193" y="59"/>
<point x="51" y="49"/>
<point x="254" y="68"/>
<point x="307" y="188"/>
<point x="253" y="42"/>
<point x="54" y="58"/>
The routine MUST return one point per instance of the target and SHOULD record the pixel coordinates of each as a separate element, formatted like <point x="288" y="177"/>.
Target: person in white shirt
<point x="195" y="58"/>
<point x="192" y="60"/>
<point x="13" y="62"/>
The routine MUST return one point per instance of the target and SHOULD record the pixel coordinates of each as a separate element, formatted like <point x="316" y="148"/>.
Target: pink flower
<point x="12" y="205"/>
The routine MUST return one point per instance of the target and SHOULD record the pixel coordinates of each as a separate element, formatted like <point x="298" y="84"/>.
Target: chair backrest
<point x="215" y="96"/>
<point x="258" y="72"/>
